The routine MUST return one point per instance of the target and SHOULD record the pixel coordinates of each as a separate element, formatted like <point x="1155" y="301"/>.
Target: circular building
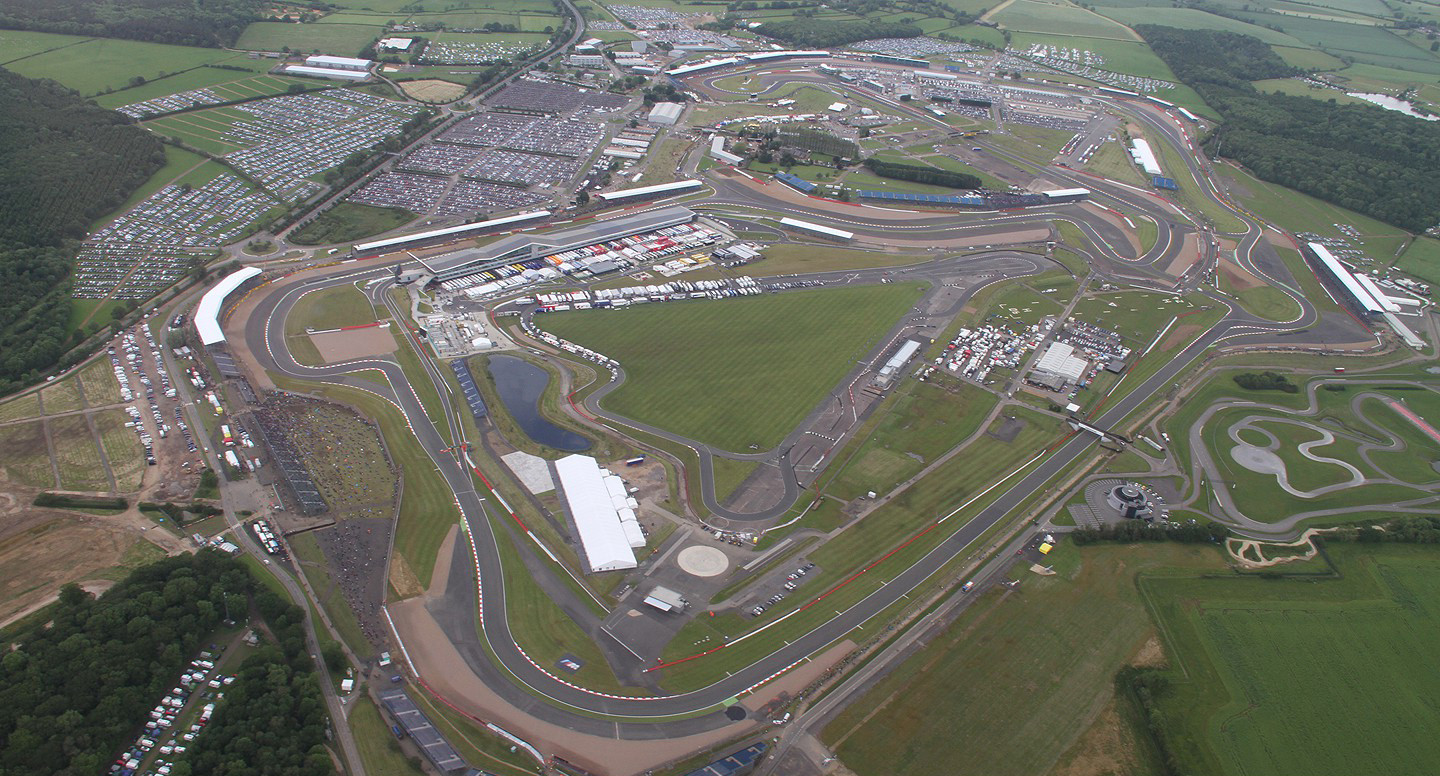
<point x="1131" y="502"/>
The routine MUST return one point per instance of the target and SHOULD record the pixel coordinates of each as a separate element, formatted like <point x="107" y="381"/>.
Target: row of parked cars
<point x="161" y="734"/>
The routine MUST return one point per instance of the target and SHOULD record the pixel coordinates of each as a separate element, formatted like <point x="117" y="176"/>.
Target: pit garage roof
<point x="602" y="537"/>
<point x="207" y="312"/>
<point x="558" y="242"/>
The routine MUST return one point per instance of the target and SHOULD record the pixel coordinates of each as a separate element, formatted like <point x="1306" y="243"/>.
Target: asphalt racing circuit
<point x="472" y="613"/>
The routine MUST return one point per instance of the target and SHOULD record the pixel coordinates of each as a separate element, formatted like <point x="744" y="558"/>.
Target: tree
<point x="582" y="197"/>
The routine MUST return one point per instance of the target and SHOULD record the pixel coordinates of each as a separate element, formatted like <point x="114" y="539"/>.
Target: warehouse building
<point x="529" y="247"/>
<point x="338" y="63"/>
<point x="603" y="514"/>
<point x="326" y="72"/>
<point x="666" y="113"/>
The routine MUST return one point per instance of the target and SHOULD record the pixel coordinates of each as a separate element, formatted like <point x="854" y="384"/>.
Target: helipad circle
<point x="702" y="561"/>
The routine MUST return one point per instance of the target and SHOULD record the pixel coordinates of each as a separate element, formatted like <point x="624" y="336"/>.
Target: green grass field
<point x="1422" y="259"/>
<point x="101" y="64"/>
<point x="1009" y="686"/>
<point x="931" y="418"/>
<point x="1256" y="659"/>
<point x="328" y="309"/>
<point x="347" y="222"/>
<point x="378" y="747"/>
<point x="1194" y="19"/>
<point x="345" y="40"/>
<point x="1059" y="19"/>
<point x="692" y="367"/>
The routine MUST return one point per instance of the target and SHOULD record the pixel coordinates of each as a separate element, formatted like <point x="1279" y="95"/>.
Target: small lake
<point x="1390" y="103"/>
<point x="520" y="385"/>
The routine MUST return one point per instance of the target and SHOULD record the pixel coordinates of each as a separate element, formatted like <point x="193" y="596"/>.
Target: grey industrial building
<point x="534" y="247"/>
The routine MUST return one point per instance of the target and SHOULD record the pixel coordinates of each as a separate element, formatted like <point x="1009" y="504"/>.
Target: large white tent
<point x="595" y="506"/>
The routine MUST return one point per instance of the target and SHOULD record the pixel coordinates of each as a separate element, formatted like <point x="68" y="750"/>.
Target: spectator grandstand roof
<point x="207" y="312"/>
<point x="967" y="200"/>
<point x="825" y="231"/>
<point x="437" y="750"/>
<point x="795" y="182"/>
<point x="649" y="191"/>
<point x="453" y="230"/>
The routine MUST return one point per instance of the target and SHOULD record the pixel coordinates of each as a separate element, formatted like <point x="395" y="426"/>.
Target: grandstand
<point x="796" y="182"/>
<point x="991" y="200"/>
<point x="817" y="230"/>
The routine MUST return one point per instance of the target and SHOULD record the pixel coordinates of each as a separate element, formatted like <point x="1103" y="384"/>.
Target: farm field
<point x="77" y="455"/>
<point x="1021" y="707"/>
<point x="107" y="65"/>
<point x="1059" y="19"/>
<point x="1194" y="19"/>
<point x="345" y="40"/>
<point x="227" y="84"/>
<point x="27" y="458"/>
<point x="775" y="355"/>
<point x="1254" y="659"/>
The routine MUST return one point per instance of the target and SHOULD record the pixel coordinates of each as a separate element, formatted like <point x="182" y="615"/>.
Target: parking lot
<point x="295" y="137"/>
<point x="911" y="47"/>
<point x="454" y="52"/>
<point x="166" y="735"/>
<point x="469" y="197"/>
<point x="523" y="168"/>
<point x="411" y="191"/>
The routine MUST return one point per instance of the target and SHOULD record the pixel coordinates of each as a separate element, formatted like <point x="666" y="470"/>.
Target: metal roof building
<point x="649" y="191"/>
<point x="327" y="72"/>
<point x="519" y="247"/>
<point x="897" y="362"/>
<point x="453" y="231"/>
<point x="207" y="312"/>
<point x="338" y="63"/>
<point x="817" y="229"/>
<point x="666" y="113"/>
<point x="590" y="499"/>
<point x="1060" y="359"/>
<point x="736" y="763"/>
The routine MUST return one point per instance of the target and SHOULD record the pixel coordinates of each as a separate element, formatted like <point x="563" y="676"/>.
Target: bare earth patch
<point x="1238" y="277"/>
<point x="433" y="90"/>
<point x="337" y="346"/>
<point x="42" y="550"/>
<point x="1180" y="335"/>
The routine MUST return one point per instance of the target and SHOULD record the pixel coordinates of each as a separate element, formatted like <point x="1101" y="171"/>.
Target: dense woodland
<point x="73" y="693"/>
<point x="920" y="173"/>
<point x="1374" y="161"/>
<point x="63" y="163"/>
<point x="827" y="33"/>
<point x="211" y="23"/>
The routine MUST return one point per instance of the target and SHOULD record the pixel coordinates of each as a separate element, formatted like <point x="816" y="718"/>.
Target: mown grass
<point x="740" y="374"/>
<point x="1254" y="658"/>
<point x="348" y="222"/>
<point x="1039" y="662"/>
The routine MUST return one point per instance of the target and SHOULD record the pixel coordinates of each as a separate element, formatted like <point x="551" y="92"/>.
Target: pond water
<point x="520" y="385"/>
<point x="1391" y="103"/>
